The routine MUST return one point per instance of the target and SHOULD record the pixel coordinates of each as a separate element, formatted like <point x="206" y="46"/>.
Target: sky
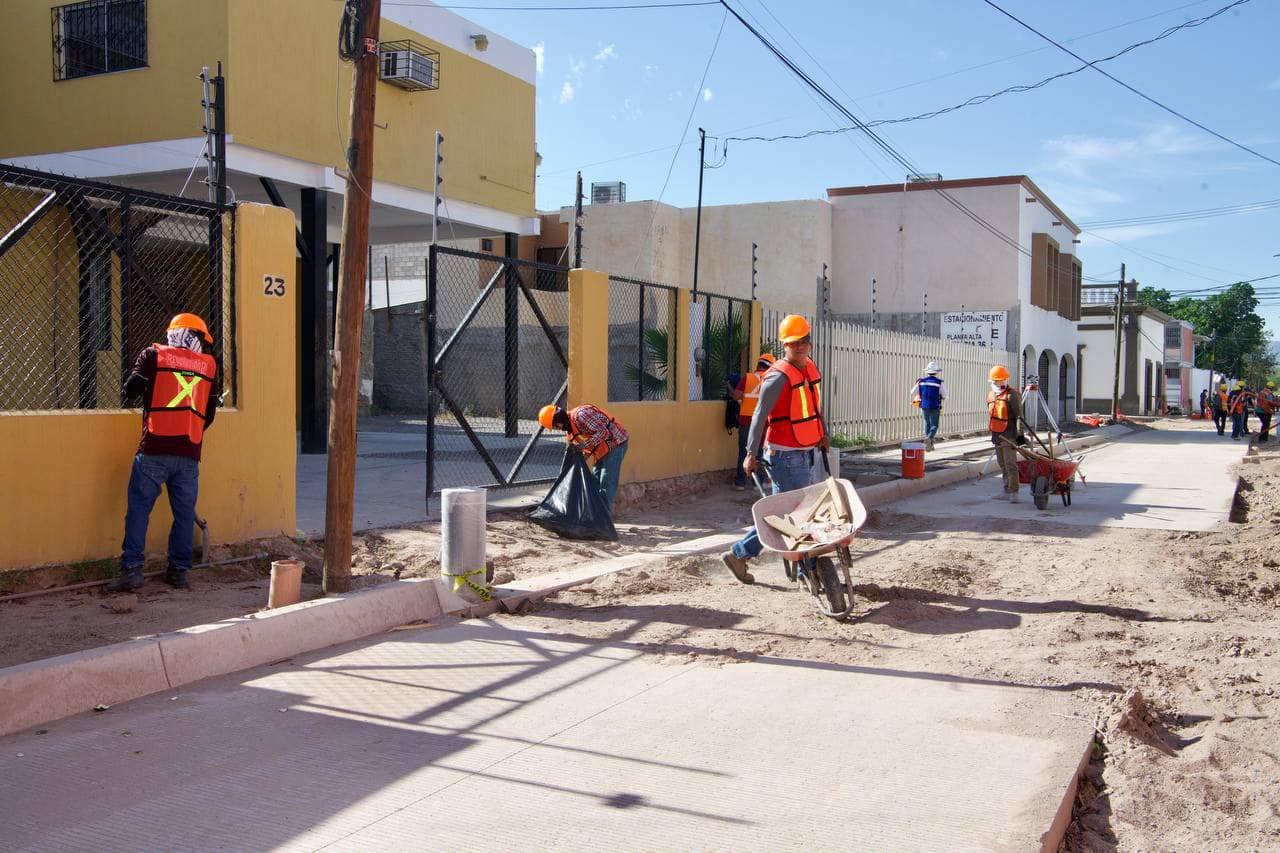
<point x="617" y="87"/>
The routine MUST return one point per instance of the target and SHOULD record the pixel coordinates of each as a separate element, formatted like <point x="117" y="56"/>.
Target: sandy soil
<point x="1168" y="642"/>
<point x="58" y="623"/>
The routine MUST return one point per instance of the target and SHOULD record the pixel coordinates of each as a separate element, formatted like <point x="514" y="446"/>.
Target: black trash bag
<point x="575" y="507"/>
<point x="731" y="412"/>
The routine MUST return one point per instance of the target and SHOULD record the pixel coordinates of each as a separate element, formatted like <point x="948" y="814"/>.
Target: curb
<point x="896" y="490"/>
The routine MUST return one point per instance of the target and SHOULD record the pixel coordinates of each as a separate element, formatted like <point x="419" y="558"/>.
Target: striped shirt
<point x="592" y="426"/>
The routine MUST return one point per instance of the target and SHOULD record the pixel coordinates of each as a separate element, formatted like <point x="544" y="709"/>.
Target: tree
<point x="1239" y="345"/>
<point x="1155" y="297"/>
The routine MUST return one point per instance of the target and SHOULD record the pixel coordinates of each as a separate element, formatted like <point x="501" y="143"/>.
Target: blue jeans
<point x="182" y="478"/>
<point x="790" y="471"/>
<point x="1237" y="424"/>
<point x="739" y="476"/>
<point x="930" y="422"/>
<point x="608" y="470"/>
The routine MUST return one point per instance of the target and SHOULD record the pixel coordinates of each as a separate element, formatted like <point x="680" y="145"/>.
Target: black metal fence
<point x="90" y="273"/>
<point x="642" y="343"/>
<point x="720" y="329"/>
<point x="497" y="338"/>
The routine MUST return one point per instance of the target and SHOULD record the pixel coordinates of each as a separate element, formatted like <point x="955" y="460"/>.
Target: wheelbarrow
<point x="811" y="568"/>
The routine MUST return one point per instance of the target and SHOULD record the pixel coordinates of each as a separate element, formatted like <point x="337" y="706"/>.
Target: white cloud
<point x="707" y="94"/>
<point x="648" y="72"/>
<point x="1131" y="233"/>
<point x="605" y="53"/>
<point x="540" y="56"/>
<point x="1079" y="155"/>
<point x="566" y="92"/>
<point x="1274" y="85"/>
<point x="676" y="95"/>
<point x="1082" y="201"/>
<point x="576" y="68"/>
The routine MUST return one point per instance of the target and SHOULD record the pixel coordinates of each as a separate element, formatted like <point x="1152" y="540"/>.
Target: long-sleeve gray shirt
<point x="770" y="392"/>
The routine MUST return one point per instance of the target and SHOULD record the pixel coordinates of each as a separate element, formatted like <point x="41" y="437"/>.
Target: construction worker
<point x="601" y="439"/>
<point x="1250" y="398"/>
<point x="928" y="394"/>
<point x="1004" y="404"/>
<point x="788" y="422"/>
<point x="1266" y="405"/>
<point x="747" y="393"/>
<point x="179" y="385"/>
<point x="1204" y="403"/>
<point x="1236" y="401"/>
<point x="1221" y="406"/>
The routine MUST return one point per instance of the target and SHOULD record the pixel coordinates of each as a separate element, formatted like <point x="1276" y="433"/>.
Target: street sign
<point x="978" y="328"/>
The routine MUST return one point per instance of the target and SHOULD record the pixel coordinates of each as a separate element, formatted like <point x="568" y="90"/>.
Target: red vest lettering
<point x="796" y="419"/>
<point x="180" y="393"/>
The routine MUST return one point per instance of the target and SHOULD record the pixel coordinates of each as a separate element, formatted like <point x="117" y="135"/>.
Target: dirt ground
<point x="1169" y="643"/>
<point x="59" y="623"/>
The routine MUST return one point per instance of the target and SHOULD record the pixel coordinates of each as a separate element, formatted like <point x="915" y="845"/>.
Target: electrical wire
<point x="351" y="31"/>
<point x="1184" y="216"/>
<point x="697" y="96"/>
<point x="1142" y="95"/>
<point x="1016" y="89"/>
<point x="596" y="8"/>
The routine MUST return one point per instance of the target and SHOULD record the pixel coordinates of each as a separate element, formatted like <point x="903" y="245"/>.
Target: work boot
<point x="928" y="444"/>
<point x="177" y="578"/>
<point x="738" y="566"/>
<point x="1013" y="497"/>
<point x="130" y="579"/>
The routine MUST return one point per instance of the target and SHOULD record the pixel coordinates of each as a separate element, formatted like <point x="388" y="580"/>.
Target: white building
<point x="927" y="256"/>
<point x="1142" y="354"/>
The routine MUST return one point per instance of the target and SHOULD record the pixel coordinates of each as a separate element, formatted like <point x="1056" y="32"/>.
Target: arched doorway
<point x="1028" y="365"/>
<point x="1067" y="388"/>
<point x="1048" y="376"/>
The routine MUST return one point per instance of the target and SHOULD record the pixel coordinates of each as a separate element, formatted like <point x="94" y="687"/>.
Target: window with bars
<point x="98" y="37"/>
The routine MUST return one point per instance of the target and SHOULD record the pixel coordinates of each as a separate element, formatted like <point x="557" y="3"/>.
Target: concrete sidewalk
<point x="483" y="735"/>
<point x="1175" y="478"/>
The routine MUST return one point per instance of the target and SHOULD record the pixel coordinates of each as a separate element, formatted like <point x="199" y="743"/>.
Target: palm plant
<point x="652" y="372"/>
<point x="724" y="345"/>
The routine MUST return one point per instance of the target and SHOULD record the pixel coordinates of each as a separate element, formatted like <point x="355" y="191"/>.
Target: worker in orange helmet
<point x="788" y="422"/>
<point x="1004" y="404"/>
<point x="747" y="393"/>
<point x="598" y="435"/>
<point x="179" y="385"/>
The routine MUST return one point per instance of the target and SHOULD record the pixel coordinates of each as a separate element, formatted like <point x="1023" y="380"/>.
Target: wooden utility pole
<point x="362" y="30"/>
<point x="1115" y="388"/>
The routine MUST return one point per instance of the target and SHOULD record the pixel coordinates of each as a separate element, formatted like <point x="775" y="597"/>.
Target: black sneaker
<point x="129" y="580"/>
<point x="177" y="578"/>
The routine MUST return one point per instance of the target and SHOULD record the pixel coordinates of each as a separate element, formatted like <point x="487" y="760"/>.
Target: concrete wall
<point x="282" y="81"/>
<point x="668" y="439"/>
<point x="793" y="239"/>
<point x="70" y="468"/>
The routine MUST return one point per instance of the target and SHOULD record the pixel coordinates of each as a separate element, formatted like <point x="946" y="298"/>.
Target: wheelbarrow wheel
<point x="832" y="587"/>
<point x="1066" y="493"/>
<point x="1040" y="492"/>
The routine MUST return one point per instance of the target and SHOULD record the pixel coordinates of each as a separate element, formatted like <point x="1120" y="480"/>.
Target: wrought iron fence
<point x="98" y="37"/>
<point x="90" y="274"/>
<point x="493" y="351"/>
<point x="719" y="332"/>
<point x="642" y="348"/>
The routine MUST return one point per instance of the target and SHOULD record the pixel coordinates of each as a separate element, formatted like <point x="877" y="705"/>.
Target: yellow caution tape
<point x="464" y="579"/>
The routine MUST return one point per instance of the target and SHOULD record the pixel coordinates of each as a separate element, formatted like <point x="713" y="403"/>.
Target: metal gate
<point x="497" y="341"/>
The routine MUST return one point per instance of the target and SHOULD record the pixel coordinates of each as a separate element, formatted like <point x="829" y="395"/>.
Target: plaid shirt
<point x="592" y="426"/>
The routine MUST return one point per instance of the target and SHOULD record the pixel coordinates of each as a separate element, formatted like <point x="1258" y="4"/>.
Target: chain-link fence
<point x="719" y="331"/>
<point x="91" y="273"/>
<point x="499" y="343"/>
<point x="642" y="348"/>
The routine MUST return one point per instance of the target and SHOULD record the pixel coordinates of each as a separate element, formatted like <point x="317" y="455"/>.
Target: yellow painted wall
<point x="66" y="472"/>
<point x="39" y="115"/>
<point x="668" y="438"/>
<point x="287" y="91"/>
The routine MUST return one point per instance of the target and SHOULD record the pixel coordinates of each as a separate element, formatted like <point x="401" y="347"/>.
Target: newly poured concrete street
<point x="481" y="736"/>
<point x="1171" y="479"/>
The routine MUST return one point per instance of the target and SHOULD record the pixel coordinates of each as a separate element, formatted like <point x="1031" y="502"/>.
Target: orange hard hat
<point x="765" y="358"/>
<point x="546" y="415"/>
<point x="792" y="328"/>
<point x="999" y="373"/>
<point x="192" y="322"/>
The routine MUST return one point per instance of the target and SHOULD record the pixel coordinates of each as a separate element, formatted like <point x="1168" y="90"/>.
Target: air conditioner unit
<point x="924" y="178"/>
<point x="409" y="65"/>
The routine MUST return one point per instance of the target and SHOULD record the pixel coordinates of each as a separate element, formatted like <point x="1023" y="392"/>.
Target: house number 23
<point x="272" y="285"/>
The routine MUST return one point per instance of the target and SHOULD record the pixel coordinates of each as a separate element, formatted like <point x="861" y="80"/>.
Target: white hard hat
<point x="933" y="368"/>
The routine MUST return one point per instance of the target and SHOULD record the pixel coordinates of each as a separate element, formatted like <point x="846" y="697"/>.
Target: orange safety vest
<point x="1267" y="401"/>
<point x="1222" y="400"/>
<point x="180" y="393"/>
<point x="751" y="393"/>
<point x="575" y="437"/>
<point x="796" y="419"/>
<point x="998" y="407"/>
<point x="1238" y="402"/>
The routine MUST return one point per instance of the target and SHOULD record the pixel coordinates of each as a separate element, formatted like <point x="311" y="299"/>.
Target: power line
<point x="1016" y="89"/>
<point x="593" y="8"/>
<point x="1142" y="95"/>
<point x="1184" y="216"/>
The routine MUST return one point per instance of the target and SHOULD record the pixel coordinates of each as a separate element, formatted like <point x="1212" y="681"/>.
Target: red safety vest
<point x="180" y="393"/>
<point x="998" y="406"/>
<point x="796" y="419"/>
<point x="1267" y="401"/>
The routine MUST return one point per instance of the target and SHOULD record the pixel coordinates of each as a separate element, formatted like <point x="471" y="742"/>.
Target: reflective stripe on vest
<point x="750" y="394"/>
<point x="998" y="406"/>
<point x="930" y="391"/>
<point x="575" y="437"/>
<point x="180" y="393"/>
<point x="795" y="421"/>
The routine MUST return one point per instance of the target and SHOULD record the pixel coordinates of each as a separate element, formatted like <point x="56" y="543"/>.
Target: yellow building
<point x="119" y="98"/>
